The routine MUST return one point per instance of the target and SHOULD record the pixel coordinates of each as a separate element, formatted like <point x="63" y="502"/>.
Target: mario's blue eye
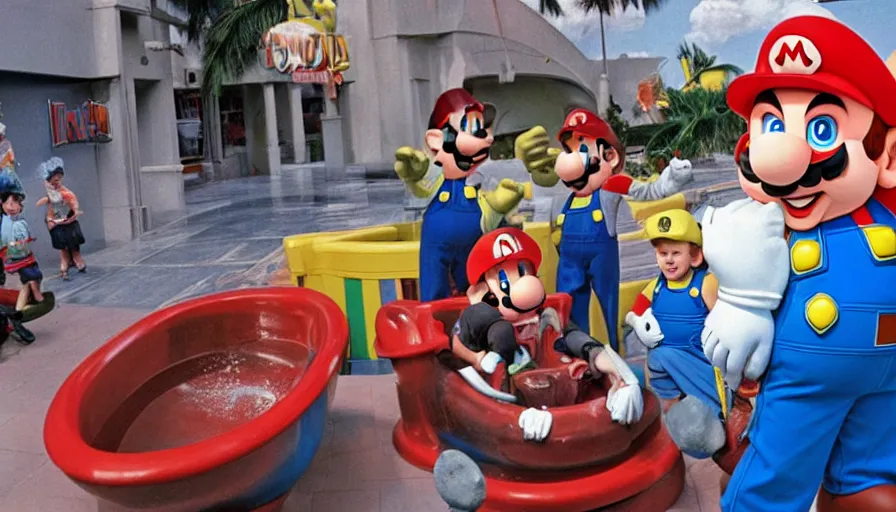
<point x="463" y="124"/>
<point x="521" y="268"/>
<point x="821" y="132"/>
<point x="503" y="282"/>
<point x="477" y="125"/>
<point x="583" y="148"/>
<point x="772" y="124"/>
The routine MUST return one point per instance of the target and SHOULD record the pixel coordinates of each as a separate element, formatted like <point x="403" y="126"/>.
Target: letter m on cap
<point x="794" y="54"/>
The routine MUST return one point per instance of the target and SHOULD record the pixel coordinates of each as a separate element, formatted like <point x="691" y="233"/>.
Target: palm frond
<point x="551" y="7"/>
<point x="610" y="7"/>
<point x="699" y="124"/>
<point x="231" y="43"/>
<point x="200" y="13"/>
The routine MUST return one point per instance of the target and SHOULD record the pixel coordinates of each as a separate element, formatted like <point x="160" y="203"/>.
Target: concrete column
<point x="211" y="133"/>
<point x="122" y="215"/>
<point x="271" y="140"/>
<point x="161" y="173"/>
<point x="249" y="110"/>
<point x="603" y="94"/>
<point x="297" y="120"/>
<point x="331" y="126"/>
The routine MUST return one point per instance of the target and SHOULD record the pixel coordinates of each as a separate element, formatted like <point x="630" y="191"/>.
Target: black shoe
<point x="23" y="335"/>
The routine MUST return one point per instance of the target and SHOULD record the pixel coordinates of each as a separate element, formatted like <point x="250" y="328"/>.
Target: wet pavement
<point x="232" y="232"/>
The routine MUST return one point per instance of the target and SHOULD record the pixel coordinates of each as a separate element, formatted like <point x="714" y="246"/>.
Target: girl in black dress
<point x="62" y="217"/>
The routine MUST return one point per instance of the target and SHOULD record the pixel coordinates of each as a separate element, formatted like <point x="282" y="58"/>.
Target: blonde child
<point x="668" y="318"/>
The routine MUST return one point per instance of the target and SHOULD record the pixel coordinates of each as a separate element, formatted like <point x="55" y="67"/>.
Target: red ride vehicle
<point x="545" y="431"/>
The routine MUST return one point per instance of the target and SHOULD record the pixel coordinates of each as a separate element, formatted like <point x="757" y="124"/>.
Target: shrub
<point x="699" y="124"/>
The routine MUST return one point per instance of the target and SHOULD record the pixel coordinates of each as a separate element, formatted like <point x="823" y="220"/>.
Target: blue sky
<point x="730" y="29"/>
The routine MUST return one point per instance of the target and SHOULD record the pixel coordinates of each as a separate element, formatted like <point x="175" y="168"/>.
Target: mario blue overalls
<point x="451" y="226"/>
<point x="589" y="260"/>
<point x="678" y="366"/>
<point x="826" y="405"/>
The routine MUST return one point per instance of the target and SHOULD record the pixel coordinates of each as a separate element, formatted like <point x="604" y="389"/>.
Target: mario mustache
<point x="464" y="162"/>
<point x="828" y="169"/>
<point x="592" y="166"/>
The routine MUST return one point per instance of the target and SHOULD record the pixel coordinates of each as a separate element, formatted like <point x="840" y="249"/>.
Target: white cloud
<point x="716" y="21"/>
<point x="575" y="23"/>
<point x="635" y="55"/>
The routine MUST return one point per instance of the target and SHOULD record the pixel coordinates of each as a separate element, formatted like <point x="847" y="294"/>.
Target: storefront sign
<point x="87" y="123"/>
<point x="303" y="49"/>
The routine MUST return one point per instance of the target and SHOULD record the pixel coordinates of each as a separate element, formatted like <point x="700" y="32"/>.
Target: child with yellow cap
<point x="668" y="318"/>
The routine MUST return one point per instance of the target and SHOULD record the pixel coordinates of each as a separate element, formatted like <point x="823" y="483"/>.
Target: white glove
<point x="626" y="404"/>
<point x="536" y="424"/>
<point x="681" y="171"/>
<point x="646" y="327"/>
<point x="489" y="362"/>
<point x="738" y="341"/>
<point x="745" y="247"/>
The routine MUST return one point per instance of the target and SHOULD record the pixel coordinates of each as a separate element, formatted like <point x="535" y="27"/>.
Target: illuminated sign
<point x="87" y="123"/>
<point x="304" y="50"/>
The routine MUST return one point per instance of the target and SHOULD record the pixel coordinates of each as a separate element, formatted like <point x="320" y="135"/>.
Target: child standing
<point x="62" y="217"/>
<point x="668" y="318"/>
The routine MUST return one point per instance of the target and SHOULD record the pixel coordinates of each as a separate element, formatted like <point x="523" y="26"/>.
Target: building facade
<point x="57" y="56"/>
<point x="403" y="54"/>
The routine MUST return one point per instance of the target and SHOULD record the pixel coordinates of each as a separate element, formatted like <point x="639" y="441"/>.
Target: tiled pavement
<point x="356" y="469"/>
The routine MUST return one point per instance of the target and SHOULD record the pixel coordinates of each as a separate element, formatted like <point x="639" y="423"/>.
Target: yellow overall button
<point x="805" y="255"/>
<point x="821" y="312"/>
<point x="882" y="240"/>
<point x="693" y="292"/>
<point x="597" y="215"/>
<point x="444" y="196"/>
<point x="469" y="192"/>
<point x="560" y="219"/>
<point x="580" y="202"/>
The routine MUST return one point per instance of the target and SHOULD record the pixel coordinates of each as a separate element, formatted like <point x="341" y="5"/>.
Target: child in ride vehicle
<point x="668" y="318"/>
<point x="505" y="321"/>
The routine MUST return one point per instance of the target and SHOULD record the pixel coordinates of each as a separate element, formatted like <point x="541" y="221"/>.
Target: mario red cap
<point x="587" y="122"/>
<point x="454" y="100"/>
<point x="818" y="54"/>
<point x="498" y="246"/>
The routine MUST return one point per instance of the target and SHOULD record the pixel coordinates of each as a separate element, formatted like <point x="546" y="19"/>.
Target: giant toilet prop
<point x="217" y="403"/>
<point x="587" y="461"/>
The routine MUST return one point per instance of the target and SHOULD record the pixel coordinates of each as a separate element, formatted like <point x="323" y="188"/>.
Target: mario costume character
<point x="459" y="138"/>
<point x="668" y="317"/>
<point x="820" y="159"/>
<point x="589" y="166"/>
<point x="505" y="322"/>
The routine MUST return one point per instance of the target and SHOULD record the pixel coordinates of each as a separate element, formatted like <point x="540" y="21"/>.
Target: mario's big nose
<point x="570" y="166"/>
<point x="527" y="293"/>
<point x="779" y="158"/>
<point x="470" y="145"/>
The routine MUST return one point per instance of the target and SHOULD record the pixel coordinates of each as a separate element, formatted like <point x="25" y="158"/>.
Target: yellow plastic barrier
<point x="365" y="268"/>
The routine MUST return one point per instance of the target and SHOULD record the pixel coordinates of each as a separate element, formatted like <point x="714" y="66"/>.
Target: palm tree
<point x="230" y="32"/>
<point x="611" y="7"/>
<point x="551" y="7"/>
<point x="608" y="8"/>
<point x="696" y="63"/>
